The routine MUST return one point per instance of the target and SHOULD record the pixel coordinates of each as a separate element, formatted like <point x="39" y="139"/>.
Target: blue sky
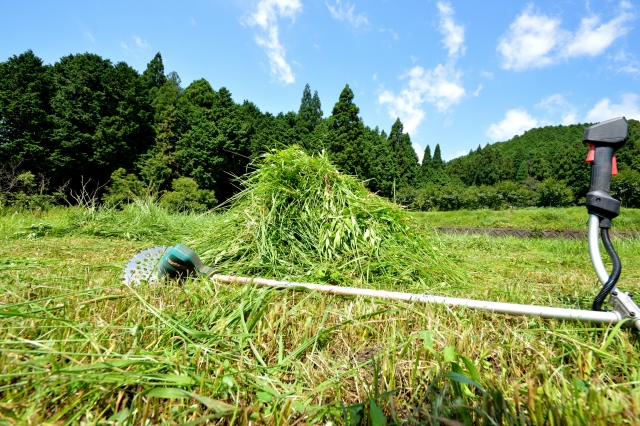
<point x="457" y="73"/>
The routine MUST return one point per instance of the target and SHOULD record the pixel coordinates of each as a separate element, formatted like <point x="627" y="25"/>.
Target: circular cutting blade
<point x="141" y="268"/>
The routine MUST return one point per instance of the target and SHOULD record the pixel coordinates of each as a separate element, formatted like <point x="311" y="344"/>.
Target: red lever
<point x="614" y="166"/>
<point x="592" y="153"/>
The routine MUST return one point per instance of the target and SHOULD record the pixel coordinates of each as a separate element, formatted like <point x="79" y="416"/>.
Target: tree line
<point x="86" y="119"/>
<point x="543" y="167"/>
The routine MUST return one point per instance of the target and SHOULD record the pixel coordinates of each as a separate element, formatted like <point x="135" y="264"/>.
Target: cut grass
<point x="78" y="346"/>
<point x="300" y="219"/>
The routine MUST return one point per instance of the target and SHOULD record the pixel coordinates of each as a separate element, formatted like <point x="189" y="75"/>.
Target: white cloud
<point x="477" y="92"/>
<point x="393" y="34"/>
<point x="375" y="77"/>
<point x="452" y="32"/>
<point x="605" y="110"/>
<point x="487" y="74"/>
<point x="592" y="39"/>
<point x="88" y="34"/>
<point x="624" y="62"/>
<point x="142" y="44"/>
<point x="530" y="41"/>
<point x="193" y="22"/>
<point x="138" y="45"/>
<point x="440" y="86"/>
<point x="345" y="13"/>
<point x="535" y="40"/>
<point x="557" y="104"/>
<point x="515" y="122"/>
<point x="266" y="18"/>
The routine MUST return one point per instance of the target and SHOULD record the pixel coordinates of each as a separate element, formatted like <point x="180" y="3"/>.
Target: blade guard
<point x="179" y="262"/>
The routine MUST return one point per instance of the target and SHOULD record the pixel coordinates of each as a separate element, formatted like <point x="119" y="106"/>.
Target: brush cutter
<point x="604" y="139"/>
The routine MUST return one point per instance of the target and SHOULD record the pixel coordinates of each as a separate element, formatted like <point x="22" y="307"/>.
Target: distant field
<point x="77" y="346"/>
<point x="530" y="218"/>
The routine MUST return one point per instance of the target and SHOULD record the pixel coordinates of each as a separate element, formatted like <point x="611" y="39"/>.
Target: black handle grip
<point x="605" y="139"/>
<point x="601" y="168"/>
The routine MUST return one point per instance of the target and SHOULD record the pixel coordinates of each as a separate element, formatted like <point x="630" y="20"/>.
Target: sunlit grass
<point x="530" y="218"/>
<point x="79" y="347"/>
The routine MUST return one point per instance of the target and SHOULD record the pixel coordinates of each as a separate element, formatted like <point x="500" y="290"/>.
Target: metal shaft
<point x="497" y="307"/>
<point x="594" y="249"/>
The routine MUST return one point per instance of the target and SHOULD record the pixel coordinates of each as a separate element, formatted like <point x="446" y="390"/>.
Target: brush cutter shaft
<point x="497" y="307"/>
<point x="594" y="249"/>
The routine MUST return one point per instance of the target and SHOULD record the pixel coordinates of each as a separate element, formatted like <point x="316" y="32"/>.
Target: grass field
<point x="77" y="346"/>
<point x="559" y="219"/>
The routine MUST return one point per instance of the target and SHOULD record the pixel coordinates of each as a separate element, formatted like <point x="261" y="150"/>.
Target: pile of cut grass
<point x="300" y="218"/>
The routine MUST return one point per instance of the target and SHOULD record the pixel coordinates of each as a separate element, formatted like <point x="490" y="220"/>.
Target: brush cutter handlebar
<point x="604" y="139"/>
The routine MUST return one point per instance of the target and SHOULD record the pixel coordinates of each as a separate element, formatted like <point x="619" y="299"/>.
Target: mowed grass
<point x="531" y="218"/>
<point x="78" y="346"/>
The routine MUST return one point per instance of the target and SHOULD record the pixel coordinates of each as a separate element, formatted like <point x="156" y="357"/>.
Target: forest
<point x="86" y="125"/>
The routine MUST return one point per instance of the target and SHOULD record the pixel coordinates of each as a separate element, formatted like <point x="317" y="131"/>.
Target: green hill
<point x="548" y="152"/>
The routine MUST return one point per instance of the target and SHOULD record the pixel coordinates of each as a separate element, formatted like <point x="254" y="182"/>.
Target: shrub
<point x="406" y="196"/>
<point x="124" y="188"/>
<point x="22" y="190"/>
<point x="515" y="195"/>
<point x="187" y="196"/>
<point x="626" y="186"/>
<point x="554" y="193"/>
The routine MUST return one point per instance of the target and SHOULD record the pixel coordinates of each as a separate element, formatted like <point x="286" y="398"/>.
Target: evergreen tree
<point x="405" y="155"/>
<point x="157" y="166"/>
<point x="25" y="113"/>
<point x="198" y="96"/>
<point x="426" y="158"/>
<point x="309" y="116"/>
<point x="348" y="148"/>
<point x="523" y="171"/>
<point x="629" y="155"/>
<point x="101" y="116"/>
<point x="539" y="166"/>
<point x="153" y="77"/>
<point x="384" y="167"/>
<point x="436" y="162"/>
<point x="306" y="120"/>
<point x="316" y="108"/>
<point x="425" y="167"/>
<point x="212" y="150"/>
<point x="507" y="169"/>
<point x="285" y="132"/>
<point x="571" y="168"/>
<point x="487" y="166"/>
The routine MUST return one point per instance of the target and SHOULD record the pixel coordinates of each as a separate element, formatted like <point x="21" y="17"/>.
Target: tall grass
<point x="142" y="220"/>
